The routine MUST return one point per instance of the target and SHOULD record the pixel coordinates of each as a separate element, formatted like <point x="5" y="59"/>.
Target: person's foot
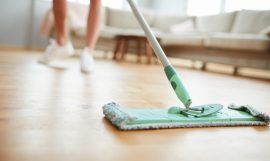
<point x="54" y="50"/>
<point x="87" y="61"/>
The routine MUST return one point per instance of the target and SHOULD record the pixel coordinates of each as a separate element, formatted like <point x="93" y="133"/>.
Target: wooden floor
<point x="54" y="114"/>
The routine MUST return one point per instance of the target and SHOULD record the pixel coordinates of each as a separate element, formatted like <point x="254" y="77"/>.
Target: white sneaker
<point x="87" y="61"/>
<point x="54" y="50"/>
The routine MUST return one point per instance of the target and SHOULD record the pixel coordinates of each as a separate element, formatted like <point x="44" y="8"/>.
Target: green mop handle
<point x="171" y="74"/>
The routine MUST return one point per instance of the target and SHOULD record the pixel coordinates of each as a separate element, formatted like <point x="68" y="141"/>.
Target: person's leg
<point x="61" y="46"/>
<point x="60" y="15"/>
<point x="93" y="25"/>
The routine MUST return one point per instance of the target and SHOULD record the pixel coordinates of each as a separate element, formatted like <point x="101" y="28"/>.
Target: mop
<point x="209" y="115"/>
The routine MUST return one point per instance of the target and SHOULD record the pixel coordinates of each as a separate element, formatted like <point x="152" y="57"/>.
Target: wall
<point x="40" y="8"/>
<point x="19" y="22"/>
<point x="20" y="19"/>
<point x="15" y="20"/>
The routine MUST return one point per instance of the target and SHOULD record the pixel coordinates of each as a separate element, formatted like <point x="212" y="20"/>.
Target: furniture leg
<point x="149" y="52"/>
<point x="203" y="66"/>
<point x="121" y="49"/>
<point x="125" y="48"/>
<point x="116" y="50"/>
<point x="138" y="41"/>
<point x="235" y="71"/>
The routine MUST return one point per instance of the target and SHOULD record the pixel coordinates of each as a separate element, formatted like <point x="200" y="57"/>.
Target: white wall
<point x="20" y="19"/>
<point x="19" y="22"/>
<point x="15" y="20"/>
<point x="40" y="8"/>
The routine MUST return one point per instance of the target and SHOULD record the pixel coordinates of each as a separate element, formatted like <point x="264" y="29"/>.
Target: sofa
<point x="240" y="38"/>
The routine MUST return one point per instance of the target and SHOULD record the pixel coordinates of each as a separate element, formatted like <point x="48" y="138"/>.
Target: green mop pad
<point x="176" y="117"/>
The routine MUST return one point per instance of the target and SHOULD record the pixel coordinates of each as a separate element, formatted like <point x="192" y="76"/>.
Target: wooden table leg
<point x="149" y="52"/>
<point x="125" y="48"/>
<point x="138" y="41"/>
<point x="121" y="49"/>
<point x="116" y="50"/>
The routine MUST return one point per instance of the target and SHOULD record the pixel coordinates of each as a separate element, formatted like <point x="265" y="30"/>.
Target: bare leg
<point x="61" y="46"/>
<point x="93" y="23"/>
<point x="60" y="14"/>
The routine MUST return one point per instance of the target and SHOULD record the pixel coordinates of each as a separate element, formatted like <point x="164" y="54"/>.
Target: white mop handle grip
<point x="149" y="34"/>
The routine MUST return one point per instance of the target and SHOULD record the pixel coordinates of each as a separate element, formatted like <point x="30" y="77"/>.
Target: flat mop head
<point x="175" y="117"/>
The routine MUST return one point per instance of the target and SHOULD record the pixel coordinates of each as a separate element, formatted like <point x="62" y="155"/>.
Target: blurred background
<point x="234" y="33"/>
<point x="20" y="20"/>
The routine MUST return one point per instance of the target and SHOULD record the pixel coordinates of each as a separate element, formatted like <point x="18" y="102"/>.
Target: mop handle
<point x="171" y="74"/>
<point x="150" y="36"/>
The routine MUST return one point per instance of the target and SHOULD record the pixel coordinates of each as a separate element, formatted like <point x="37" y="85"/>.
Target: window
<point x="203" y="7"/>
<point x="233" y="5"/>
<point x="208" y="7"/>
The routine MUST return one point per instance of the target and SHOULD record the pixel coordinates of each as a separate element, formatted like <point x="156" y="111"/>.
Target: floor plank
<point x="54" y="113"/>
